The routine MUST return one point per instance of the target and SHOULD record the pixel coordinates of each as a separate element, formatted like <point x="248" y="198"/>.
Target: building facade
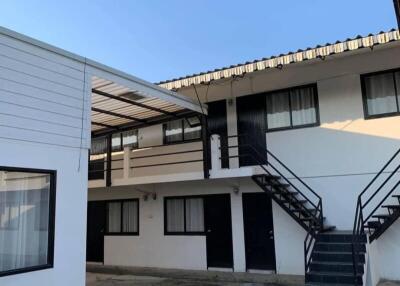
<point x="329" y="114"/>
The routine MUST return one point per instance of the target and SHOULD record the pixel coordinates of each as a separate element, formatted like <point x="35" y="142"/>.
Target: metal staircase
<point x="378" y="206"/>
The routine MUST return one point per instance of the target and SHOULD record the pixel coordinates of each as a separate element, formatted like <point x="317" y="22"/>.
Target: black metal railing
<point x="98" y="167"/>
<point x="366" y="210"/>
<point x="266" y="160"/>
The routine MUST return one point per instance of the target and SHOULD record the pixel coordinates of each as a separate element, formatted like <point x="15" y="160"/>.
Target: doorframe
<point x="103" y="233"/>
<point x="204" y="233"/>
<point x="244" y="233"/>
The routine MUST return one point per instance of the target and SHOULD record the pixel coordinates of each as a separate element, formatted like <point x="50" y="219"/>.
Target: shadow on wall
<point x="339" y="162"/>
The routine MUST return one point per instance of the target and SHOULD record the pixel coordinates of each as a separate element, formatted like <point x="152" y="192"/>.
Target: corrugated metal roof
<point x="319" y="51"/>
<point x="124" y="110"/>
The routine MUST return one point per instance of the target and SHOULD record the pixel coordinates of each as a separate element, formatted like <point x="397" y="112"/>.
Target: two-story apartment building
<point x="271" y="181"/>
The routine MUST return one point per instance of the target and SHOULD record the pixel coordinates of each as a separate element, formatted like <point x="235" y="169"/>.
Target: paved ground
<point x="94" y="279"/>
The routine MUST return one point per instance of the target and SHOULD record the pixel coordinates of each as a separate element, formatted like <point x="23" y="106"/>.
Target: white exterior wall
<point x="42" y="113"/>
<point x="154" y="249"/>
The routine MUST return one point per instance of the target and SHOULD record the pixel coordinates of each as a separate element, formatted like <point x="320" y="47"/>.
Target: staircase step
<point x="332" y="256"/>
<point x="338" y="246"/>
<point x="338" y="236"/>
<point x="342" y="267"/>
<point x="396" y="207"/>
<point x="332" y="277"/>
<point x="396" y="196"/>
<point x="272" y="177"/>
<point x="373" y="224"/>
<point x="328" y="228"/>
<point x="382" y="216"/>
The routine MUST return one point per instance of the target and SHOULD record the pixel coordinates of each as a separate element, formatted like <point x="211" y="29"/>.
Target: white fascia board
<point x="112" y="74"/>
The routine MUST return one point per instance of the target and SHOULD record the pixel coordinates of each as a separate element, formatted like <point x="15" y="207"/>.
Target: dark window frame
<point x="291" y="127"/>
<point x="367" y="116"/>
<point x="184" y="232"/>
<point x="121" y="139"/>
<point x="121" y="232"/>
<point x="51" y="220"/>
<point x="183" y="140"/>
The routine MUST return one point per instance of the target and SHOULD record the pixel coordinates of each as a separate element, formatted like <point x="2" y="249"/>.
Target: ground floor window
<point x="27" y="211"/>
<point x="184" y="215"/>
<point x="123" y="217"/>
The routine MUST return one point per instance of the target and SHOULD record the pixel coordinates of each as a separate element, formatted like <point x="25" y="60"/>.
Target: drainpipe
<point x="397" y="10"/>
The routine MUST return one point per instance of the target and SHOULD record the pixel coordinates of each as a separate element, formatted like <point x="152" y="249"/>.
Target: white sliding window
<point x="381" y="94"/>
<point x="27" y="203"/>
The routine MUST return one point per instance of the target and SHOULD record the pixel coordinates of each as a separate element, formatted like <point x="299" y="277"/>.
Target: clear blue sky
<point x="159" y="39"/>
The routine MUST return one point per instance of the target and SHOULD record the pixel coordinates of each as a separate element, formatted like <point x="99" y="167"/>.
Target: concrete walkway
<point x="99" y="275"/>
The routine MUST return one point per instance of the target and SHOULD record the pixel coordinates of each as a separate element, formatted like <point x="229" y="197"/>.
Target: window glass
<point x="194" y="215"/>
<point x="98" y="146"/>
<point x="130" y="138"/>
<point x="130" y="216"/>
<point x="397" y="77"/>
<point x="303" y="106"/>
<point x="380" y="94"/>
<point x="175" y="215"/>
<point x="24" y="220"/>
<point x="278" y="112"/>
<point x="114" y="217"/>
<point x="116" y="142"/>
<point x="191" y="133"/>
<point x="173" y="131"/>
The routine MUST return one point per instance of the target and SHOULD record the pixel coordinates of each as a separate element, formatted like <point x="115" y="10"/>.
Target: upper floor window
<point x="292" y="108"/>
<point x="27" y="210"/>
<point x="180" y="131"/>
<point x="118" y="142"/>
<point x="381" y="94"/>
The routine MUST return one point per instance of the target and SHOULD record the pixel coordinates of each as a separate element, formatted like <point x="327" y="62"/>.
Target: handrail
<point x="318" y="216"/>
<point x="360" y="218"/>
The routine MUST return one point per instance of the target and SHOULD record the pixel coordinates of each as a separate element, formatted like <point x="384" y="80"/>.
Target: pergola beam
<point x="105" y="94"/>
<point x="105" y="125"/>
<point x="118" y="115"/>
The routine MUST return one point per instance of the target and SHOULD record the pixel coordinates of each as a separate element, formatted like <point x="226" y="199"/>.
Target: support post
<point x="206" y="146"/>
<point x="127" y="161"/>
<point x="108" y="164"/>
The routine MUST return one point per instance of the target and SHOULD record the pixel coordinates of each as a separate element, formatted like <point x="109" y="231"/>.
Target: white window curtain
<point x="116" y="142"/>
<point x="130" y="216"/>
<point x="173" y="131"/>
<point x="175" y="215"/>
<point x="303" y="106"/>
<point x="380" y="93"/>
<point x="22" y="244"/>
<point x="114" y="217"/>
<point x="191" y="133"/>
<point x="278" y="112"/>
<point x="98" y="146"/>
<point x="130" y="138"/>
<point x="194" y="215"/>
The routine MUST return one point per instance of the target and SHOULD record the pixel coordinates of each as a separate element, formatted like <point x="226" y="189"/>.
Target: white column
<point x="239" y="252"/>
<point x="215" y="152"/>
<point x="127" y="162"/>
<point x="232" y="130"/>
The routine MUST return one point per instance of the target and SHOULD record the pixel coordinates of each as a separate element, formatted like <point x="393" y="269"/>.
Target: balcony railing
<point x="149" y="164"/>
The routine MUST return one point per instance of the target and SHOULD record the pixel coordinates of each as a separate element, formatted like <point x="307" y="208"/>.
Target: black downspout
<point x="397" y="10"/>
<point x="108" y="165"/>
<point x="206" y="146"/>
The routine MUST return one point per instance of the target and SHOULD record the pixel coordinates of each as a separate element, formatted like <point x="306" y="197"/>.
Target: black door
<point x="217" y="212"/>
<point x="217" y="125"/>
<point x="258" y="231"/>
<point x="251" y="114"/>
<point x="96" y="215"/>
